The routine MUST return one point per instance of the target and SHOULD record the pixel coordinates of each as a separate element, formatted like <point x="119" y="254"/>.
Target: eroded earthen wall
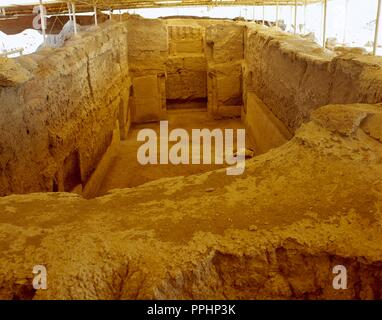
<point x="186" y="67"/>
<point x="225" y="54"/>
<point x="148" y="53"/>
<point x="193" y="60"/>
<point x="294" y="76"/>
<point x="60" y="109"/>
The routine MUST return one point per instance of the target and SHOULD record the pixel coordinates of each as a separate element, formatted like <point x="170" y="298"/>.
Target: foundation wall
<point x="59" y="109"/>
<point x="293" y="76"/>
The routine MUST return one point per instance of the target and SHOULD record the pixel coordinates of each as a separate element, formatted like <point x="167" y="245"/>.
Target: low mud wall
<point x="294" y="76"/>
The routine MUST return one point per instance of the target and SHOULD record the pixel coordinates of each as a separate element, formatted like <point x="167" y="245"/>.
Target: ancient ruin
<point x="75" y="199"/>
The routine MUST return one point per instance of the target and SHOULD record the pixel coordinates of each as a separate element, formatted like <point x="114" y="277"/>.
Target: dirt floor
<point x="126" y="171"/>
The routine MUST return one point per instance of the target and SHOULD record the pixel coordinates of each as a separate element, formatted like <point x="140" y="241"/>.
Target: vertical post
<point x="253" y="13"/>
<point x="277" y="13"/>
<point x="95" y="16"/>
<point x="295" y="17"/>
<point x="263" y="14"/>
<point x="305" y="4"/>
<point x="42" y="17"/>
<point x="325" y="4"/>
<point x="69" y="11"/>
<point x="375" y="45"/>
<point x="346" y="21"/>
<point x="74" y="18"/>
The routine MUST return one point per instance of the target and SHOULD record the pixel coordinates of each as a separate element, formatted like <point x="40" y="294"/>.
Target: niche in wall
<point x="186" y="68"/>
<point x="71" y="171"/>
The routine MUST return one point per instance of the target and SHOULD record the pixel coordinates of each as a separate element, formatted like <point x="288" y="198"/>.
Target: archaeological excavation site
<point x="190" y="150"/>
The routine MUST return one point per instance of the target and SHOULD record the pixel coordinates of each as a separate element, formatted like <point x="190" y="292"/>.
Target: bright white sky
<point x="353" y="26"/>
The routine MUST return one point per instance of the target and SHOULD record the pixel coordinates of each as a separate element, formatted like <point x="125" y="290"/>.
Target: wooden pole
<point x="305" y="5"/>
<point x="375" y="45"/>
<point x="277" y="13"/>
<point x="346" y="21"/>
<point x="324" y="24"/>
<point x="95" y="16"/>
<point x="295" y="17"/>
<point x="42" y="17"/>
<point x="74" y="18"/>
<point x="69" y="11"/>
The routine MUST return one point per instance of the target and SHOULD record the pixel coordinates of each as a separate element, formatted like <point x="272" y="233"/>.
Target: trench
<point x="125" y="171"/>
<point x="196" y="92"/>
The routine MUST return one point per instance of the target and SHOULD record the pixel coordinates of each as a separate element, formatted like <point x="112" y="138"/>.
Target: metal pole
<point x="277" y="13"/>
<point x="95" y="16"/>
<point x="375" y="45"/>
<point x="42" y="17"/>
<point x="74" y="18"/>
<point x="263" y="14"/>
<point x="324" y="25"/>
<point x="295" y="17"/>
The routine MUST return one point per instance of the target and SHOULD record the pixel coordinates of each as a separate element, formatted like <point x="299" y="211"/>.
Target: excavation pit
<point x="75" y="198"/>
